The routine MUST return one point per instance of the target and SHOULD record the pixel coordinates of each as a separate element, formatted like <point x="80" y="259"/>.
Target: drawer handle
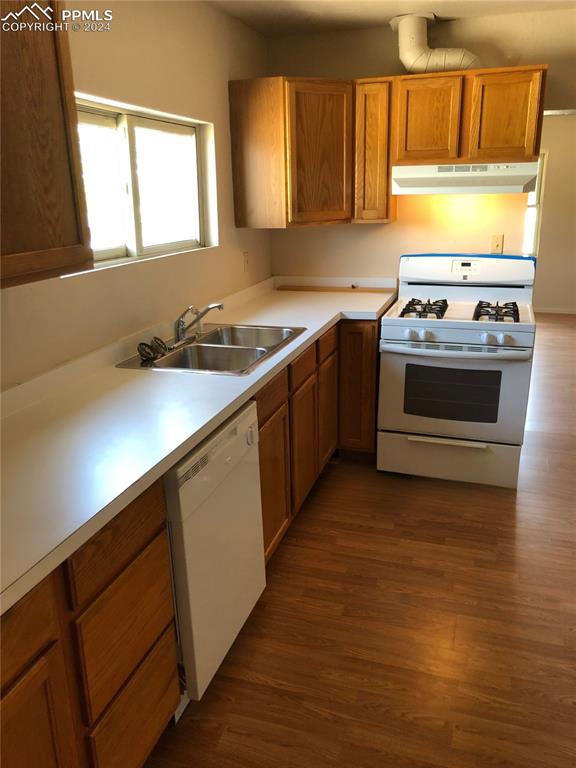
<point x="442" y="441"/>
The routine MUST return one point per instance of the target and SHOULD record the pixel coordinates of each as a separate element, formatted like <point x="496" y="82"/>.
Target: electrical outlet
<point x="497" y="244"/>
<point x="246" y="261"/>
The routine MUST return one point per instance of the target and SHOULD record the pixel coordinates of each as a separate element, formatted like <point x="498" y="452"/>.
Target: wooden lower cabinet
<point x="142" y="709"/>
<point x="304" y="440"/>
<point x="95" y="687"/>
<point x="358" y="385"/>
<point x="119" y="628"/>
<point x="327" y="409"/>
<point x="36" y="717"/>
<point x="274" y="448"/>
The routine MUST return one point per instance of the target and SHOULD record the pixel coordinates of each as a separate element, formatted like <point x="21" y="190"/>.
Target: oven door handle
<point x="501" y="354"/>
<point x="444" y="441"/>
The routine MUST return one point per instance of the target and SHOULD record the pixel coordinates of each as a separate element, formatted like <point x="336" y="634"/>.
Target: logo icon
<point x="33" y="9"/>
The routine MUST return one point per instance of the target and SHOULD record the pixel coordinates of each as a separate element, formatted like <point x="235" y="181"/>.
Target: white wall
<point x="555" y="288"/>
<point x="427" y="223"/>
<point x="176" y="57"/>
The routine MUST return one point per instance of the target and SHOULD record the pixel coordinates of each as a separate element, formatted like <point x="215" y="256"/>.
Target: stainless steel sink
<point x="205" y="357"/>
<point x="227" y="349"/>
<point x="268" y="337"/>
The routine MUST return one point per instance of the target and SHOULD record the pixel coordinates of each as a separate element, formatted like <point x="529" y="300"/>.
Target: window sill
<point x="127" y="260"/>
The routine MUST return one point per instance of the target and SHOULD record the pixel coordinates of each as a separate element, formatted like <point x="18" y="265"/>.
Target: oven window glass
<point x="455" y="394"/>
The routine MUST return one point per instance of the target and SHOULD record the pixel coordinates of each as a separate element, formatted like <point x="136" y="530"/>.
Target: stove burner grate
<point x="425" y="309"/>
<point x="500" y="313"/>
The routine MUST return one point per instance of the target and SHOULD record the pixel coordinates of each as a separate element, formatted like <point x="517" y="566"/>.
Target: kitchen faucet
<point x="180" y="326"/>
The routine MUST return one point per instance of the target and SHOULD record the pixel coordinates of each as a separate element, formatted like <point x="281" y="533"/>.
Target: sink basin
<point x="227" y="349"/>
<point x="268" y="337"/>
<point x="207" y="357"/>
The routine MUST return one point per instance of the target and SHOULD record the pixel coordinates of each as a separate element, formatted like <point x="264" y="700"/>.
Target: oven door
<point x="474" y="393"/>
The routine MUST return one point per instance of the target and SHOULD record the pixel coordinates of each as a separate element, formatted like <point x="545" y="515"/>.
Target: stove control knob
<point x="505" y="339"/>
<point x="488" y="338"/>
<point x="425" y="335"/>
<point x="410" y="334"/>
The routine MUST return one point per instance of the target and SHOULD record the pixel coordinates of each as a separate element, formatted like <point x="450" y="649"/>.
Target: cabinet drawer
<point x="119" y="628"/>
<point x="129" y="730"/>
<point x="27" y="628"/>
<point x="303" y="367"/>
<point x="272" y="396"/>
<point x="327" y="343"/>
<point x="101" y="559"/>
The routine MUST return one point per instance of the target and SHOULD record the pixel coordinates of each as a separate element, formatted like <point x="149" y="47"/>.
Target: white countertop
<point x="72" y="460"/>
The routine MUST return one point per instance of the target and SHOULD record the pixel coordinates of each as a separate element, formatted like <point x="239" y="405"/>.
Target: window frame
<point x="127" y="118"/>
<point x="99" y="118"/>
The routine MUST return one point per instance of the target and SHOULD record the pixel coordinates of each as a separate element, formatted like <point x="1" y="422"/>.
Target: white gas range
<point x="455" y="362"/>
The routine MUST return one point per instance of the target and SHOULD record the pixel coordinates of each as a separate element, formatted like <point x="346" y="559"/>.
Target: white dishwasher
<point x="215" y="524"/>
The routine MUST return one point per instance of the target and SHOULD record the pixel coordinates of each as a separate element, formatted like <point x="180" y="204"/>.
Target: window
<point x="532" y="214"/>
<point x="142" y="184"/>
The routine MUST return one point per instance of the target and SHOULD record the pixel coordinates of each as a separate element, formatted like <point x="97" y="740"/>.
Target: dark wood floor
<point x="413" y="623"/>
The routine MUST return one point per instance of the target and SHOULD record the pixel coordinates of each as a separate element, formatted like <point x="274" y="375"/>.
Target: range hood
<point x="464" y="179"/>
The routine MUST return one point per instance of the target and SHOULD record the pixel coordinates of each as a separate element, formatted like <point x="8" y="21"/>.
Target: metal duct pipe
<point x="415" y="54"/>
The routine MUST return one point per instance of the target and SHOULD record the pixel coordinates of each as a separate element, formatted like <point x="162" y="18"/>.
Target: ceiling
<point x="280" y="17"/>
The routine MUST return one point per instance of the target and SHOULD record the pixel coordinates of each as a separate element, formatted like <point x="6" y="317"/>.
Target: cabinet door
<point x="327" y="409"/>
<point x="371" y="171"/>
<point x="428" y="118"/>
<point x="358" y="385"/>
<point x="36" y="718"/>
<point x="304" y="440"/>
<point x="319" y="151"/>
<point x="274" y="449"/>
<point x="44" y="224"/>
<point x="505" y="115"/>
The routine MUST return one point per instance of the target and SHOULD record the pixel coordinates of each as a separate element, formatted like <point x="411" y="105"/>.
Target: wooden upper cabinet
<point x="371" y="151"/>
<point x="483" y="115"/>
<point x="427" y="118"/>
<point x="319" y="150"/>
<point x="258" y="136"/>
<point x="43" y="211"/>
<point x="503" y="115"/>
<point x="291" y="151"/>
